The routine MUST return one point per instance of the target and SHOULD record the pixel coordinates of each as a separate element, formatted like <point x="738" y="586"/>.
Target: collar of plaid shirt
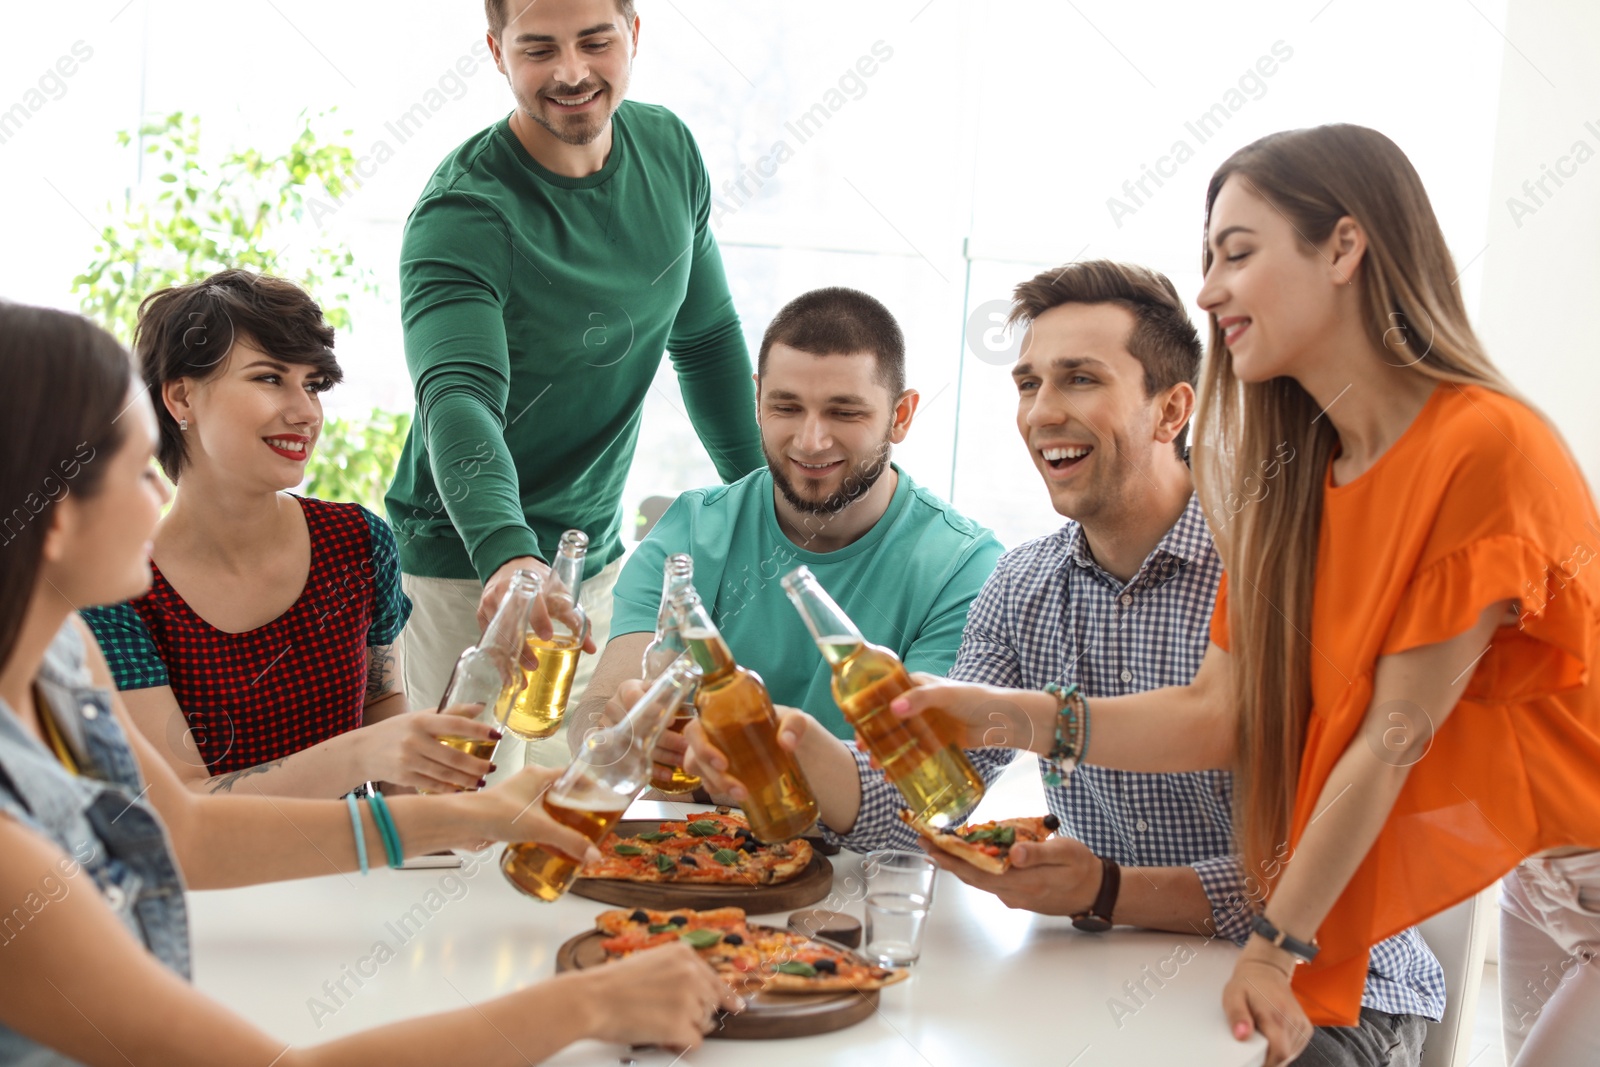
<point x="1188" y="541"/>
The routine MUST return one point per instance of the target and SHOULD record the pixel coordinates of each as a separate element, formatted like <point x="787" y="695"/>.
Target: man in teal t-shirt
<point x="903" y="564"/>
<point x="548" y="263"/>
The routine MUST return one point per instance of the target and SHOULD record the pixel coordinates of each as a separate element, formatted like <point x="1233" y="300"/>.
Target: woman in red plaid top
<point x="265" y="648"/>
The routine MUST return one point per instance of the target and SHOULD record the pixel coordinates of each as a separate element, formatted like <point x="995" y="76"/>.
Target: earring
<point x="183" y="424"/>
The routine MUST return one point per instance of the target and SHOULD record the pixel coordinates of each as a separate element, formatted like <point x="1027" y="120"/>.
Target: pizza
<point x="749" y="957"/>
<point x="986" y="845"/>
<point x="708" y="848"/>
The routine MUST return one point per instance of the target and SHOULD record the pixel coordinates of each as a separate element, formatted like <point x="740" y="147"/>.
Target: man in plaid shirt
<point x="1118" y="601"/>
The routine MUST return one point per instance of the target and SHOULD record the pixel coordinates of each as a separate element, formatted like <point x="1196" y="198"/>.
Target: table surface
<point x="320" y="958"/>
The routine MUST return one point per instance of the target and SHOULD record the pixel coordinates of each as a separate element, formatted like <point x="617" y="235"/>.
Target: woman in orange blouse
<point x="1404" y="677"/>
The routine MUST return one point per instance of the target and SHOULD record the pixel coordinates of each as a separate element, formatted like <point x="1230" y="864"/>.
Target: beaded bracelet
<point x="1072" y="730"/>
<point x="386" y="829"/>
<point x="355" y="825"/>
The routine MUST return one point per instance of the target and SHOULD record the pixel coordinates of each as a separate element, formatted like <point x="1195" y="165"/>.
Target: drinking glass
<point x="889" y="870"/>
<point x="895" y="922"/>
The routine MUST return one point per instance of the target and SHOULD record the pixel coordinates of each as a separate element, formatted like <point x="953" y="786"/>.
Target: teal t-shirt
<point x="907" y="583"/>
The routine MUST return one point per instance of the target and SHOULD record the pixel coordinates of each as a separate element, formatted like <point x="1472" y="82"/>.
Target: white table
<point x="994" y="986"/>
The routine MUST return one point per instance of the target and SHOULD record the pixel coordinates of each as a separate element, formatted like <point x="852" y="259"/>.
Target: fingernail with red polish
<point x="496" y="734"/>
<point x="493" y="767"/>
<point x="482" y="782"/>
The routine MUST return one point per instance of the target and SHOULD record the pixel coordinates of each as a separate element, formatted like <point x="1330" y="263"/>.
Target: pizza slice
<point x="708" y="848"/>
<point x="748" y="957"/>
<point x="986" y="845"/>
<point x="800" y="965"/>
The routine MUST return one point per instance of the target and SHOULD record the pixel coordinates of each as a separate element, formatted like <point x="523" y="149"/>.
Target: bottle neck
<point x="567" y="570"/>
<point x="509" y="627"/>
<point x="711" y="653"/>
<point x="836" y="636"/>
<point x="679" y="576"/>
<point x="621" y="753"/>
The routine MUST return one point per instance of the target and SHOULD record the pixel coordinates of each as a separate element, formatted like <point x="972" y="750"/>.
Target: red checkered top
<point x="272" y="691"/>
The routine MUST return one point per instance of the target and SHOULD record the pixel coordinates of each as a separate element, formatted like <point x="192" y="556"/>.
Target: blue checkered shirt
<point x="1050" y="613"/>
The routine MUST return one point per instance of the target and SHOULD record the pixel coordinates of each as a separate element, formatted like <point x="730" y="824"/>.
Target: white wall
<point x="1541" y="264"/>
<point x="998" y="130"/>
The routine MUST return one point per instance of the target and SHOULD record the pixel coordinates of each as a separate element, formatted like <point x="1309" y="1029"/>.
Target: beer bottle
<point x="488" y="676"/>
<point x="543" y="703"/>
<point x="667" y="645"/>
<point x="597" y="788"/>
<point x="737" y="716"/>
<point x="918" y="754"/>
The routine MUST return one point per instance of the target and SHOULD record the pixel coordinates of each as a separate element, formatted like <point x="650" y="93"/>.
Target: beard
<point x="861" y="477"/>
<point x="575" y="130"/>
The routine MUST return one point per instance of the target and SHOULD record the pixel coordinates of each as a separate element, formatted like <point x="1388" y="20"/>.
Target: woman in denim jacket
<point x="98" y="839"/>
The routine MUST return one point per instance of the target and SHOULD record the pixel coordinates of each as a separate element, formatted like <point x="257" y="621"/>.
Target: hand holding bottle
<point x="987" y="716"/>
<point x="544" y="611"/>
<point x="513" y="810"/>
<point x="704" y="758"/>
<point x="669" y="748"/>
<point x="431" y="753"/>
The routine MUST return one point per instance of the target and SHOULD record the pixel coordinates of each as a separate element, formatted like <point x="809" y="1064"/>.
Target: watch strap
<point x="1098" y="917"/>
<point x="1302" y="951"/>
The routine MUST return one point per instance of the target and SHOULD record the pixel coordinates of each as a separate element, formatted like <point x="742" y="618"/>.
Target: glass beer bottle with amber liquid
<point x="737" y="715"/>
<point x="546" y="688"/>
<point x="919" y="755"/>
<point x="488" y="676"/>
<point x="590" y="797"/>
<point x="667" y="645"/>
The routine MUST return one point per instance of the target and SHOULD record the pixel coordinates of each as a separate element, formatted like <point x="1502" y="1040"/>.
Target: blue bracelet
<point x="1072" y="732"/>
<point x="386" y="828"/>
<point x="355" y="824"/>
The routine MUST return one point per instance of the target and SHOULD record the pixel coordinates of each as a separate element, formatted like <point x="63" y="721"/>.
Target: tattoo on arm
<point x="380" y="671"/>
<point x="224" y="783"/>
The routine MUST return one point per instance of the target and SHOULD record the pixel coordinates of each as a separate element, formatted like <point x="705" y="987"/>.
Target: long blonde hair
<point x="1413" y="310"/>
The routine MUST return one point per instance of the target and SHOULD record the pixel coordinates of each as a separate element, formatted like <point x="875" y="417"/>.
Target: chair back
<point x="1458" y="937"/>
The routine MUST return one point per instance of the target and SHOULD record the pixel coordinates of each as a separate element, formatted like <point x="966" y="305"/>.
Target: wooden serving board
<point x="808" y="887"/>
<point x="766" y="1015"/>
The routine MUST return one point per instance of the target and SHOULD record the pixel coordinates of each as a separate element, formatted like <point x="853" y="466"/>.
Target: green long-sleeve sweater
<point x="536" y="308"/>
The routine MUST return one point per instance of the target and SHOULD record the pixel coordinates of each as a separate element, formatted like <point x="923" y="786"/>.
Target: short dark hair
<point x="495" y="12"/>
<point x="187" y="331"/>
<point x="1163" y="339"/>
<point x="839" y="322"/>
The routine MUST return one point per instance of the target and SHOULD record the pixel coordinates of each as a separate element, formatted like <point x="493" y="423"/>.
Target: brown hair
<point x="187" y="331"/>
<point x="839" y="322"/>
<point x="64" y="384"/>
<point x="495" y="12"/>
<point x="1163" y="339"/>
<point x="1314" y="177"/>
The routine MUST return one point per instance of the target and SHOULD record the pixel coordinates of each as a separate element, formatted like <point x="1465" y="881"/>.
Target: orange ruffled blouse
<point x="1477" y="502"/>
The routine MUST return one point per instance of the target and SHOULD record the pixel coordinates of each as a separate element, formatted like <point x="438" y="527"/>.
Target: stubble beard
<point x="857" y="482"/>
<point x="581" y="132"/>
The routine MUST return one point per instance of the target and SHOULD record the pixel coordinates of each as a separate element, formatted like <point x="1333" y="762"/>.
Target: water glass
<point x="895" y="922"/>
<point x="889" y="870"/>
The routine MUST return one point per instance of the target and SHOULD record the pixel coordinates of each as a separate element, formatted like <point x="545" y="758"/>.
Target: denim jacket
<point x="109" y="833"/>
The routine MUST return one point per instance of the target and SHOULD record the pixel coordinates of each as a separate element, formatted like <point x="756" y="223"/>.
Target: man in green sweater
<point x="548" y="263"/>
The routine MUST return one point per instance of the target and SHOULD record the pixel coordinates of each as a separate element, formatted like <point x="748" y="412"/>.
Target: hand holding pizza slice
<point x="987" y="845"/>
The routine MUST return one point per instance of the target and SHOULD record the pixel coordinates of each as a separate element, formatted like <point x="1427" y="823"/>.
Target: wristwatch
<point x="1302" y="951"/>
<point x="1098" y="918"/>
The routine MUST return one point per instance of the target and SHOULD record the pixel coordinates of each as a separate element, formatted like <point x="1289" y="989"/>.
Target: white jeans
<point x="444" y="622"/>
<point x="1550" y="962"/>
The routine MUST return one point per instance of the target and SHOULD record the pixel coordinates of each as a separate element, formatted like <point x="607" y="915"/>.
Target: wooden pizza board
<point x="808" y="887"/>
<point x="766" y="1015"/>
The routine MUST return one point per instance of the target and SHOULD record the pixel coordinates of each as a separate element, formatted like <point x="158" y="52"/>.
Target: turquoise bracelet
<point x="355" y="825"/>
<point x="1072" y="714"/>
<point x="386" y="829"/>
